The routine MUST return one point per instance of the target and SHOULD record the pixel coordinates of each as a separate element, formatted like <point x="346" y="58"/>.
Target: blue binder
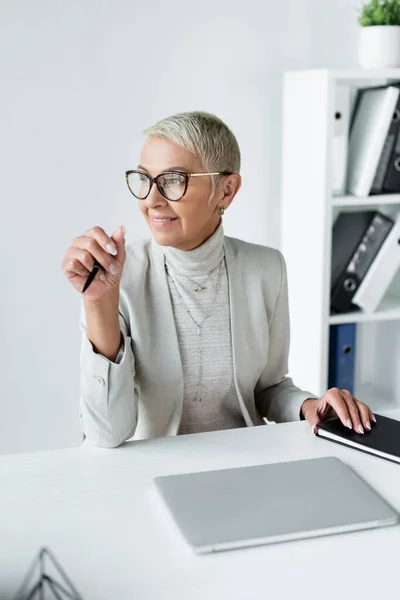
<point x="342" y="350"/>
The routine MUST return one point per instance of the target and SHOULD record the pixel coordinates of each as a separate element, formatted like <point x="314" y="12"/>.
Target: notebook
<point x="270" y="503"/>
<point x="383" y="440"/>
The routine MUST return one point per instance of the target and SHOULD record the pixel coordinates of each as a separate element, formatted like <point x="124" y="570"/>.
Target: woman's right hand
<point x="79" y="261"/>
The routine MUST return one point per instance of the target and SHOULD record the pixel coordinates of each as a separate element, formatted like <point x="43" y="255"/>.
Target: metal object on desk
<point x="40" y="585"/>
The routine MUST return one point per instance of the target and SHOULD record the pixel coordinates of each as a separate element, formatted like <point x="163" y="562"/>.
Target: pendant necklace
<point x="200" y="324"/>
<point x="199" y="286"/>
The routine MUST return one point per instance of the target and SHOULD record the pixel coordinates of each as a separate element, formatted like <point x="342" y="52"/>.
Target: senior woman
<point x="187" y="331"/>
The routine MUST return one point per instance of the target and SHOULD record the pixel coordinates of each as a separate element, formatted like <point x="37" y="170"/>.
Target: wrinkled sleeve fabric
<point x="277" y="398"/>
<point x="108" y="399"/>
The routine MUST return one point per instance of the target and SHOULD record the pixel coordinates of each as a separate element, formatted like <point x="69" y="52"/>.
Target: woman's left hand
<point x="336" y="402"/>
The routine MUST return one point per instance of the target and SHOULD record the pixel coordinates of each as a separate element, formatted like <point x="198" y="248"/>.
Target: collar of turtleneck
<point x="199" y="261"/>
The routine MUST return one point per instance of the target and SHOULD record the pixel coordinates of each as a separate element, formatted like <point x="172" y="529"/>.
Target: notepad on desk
<point x="383" y="440"/>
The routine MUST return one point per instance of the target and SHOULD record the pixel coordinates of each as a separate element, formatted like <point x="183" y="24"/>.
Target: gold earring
<point x="221" y="211"/>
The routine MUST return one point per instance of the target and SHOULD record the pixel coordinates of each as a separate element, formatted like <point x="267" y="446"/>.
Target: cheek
<point x="143" y="208"/>
<point x="194" y="213"/>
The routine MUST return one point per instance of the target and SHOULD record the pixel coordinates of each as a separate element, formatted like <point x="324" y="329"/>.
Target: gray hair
<point x="205" y="136"/>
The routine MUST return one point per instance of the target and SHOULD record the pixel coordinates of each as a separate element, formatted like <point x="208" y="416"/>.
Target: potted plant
<point x="379" y="41"/>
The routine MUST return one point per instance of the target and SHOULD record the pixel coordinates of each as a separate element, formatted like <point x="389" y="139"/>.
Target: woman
<point x="187" y="331"/>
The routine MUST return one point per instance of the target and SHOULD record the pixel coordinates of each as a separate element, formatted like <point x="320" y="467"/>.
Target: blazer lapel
<point x="241" y="332"/>
<point x="167" y="343"/>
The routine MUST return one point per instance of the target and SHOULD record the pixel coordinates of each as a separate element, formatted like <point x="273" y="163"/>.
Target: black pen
<point x="92" y="275"/>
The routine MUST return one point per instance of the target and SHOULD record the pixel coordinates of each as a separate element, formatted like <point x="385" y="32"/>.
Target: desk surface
<point x="98" y="512"/>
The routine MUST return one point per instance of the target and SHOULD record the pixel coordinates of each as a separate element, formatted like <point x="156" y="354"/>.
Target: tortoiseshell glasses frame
<point x="162" y="182"/>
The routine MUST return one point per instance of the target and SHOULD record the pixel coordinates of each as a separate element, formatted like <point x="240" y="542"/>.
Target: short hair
<point x="206" y="136"/>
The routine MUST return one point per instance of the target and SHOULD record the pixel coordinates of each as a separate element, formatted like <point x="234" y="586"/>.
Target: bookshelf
<point x="346" y="201"/>
<point x="309" y="209"/>
<point x="388" y="311"/>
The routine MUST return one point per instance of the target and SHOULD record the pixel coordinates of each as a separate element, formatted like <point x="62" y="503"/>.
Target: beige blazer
<point x="141" y="395"/>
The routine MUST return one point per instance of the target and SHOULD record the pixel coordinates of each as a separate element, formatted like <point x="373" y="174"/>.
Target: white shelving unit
<point x="309" y="209"/>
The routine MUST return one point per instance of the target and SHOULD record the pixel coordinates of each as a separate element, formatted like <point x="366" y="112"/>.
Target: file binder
<point x="381" y="272"/>
<point x="356" y="239"/>
<point x="340" y="139"/>
<point x="370" y="125"/>
<point x="342" y="348"/>
<point x="387" y="176"/>
<point x="392" y="179"/>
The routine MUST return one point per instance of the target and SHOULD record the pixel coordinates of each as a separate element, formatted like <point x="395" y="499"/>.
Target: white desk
<point x="96" y="509"/>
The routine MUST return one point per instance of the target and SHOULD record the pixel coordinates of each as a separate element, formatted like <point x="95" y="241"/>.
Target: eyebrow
<point x="175" y="168"/>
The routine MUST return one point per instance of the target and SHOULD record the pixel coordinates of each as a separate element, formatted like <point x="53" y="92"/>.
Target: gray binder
<point x="356" y="240"/>
<point x="371" y="122"/>
<point x="381" y="273"/>
<point x="387" y="176"/>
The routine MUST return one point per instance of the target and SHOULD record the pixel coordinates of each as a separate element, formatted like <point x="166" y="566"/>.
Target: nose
<point x="155" y="199"/>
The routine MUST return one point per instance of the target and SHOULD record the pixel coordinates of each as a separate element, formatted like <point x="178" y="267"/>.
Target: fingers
<point x="367" y="416"/>
<point x="118" y="238"/>
<point x="77" y="262"/>
<point x="103" y="239"/>
<point x="353" y="413"/>
<point x="364" y="415"/>
<point x="309" y="411"/>
<point x="316" y="410"/>
<point x="95" y="244"/>
<point x="87" y="248"/>
<point x="335" y="399"/>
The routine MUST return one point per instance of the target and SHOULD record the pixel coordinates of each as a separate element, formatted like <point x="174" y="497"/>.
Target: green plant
<point x="380" y="12"/>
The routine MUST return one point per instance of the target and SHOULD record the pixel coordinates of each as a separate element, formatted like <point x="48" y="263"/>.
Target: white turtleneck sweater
<point x="210" y="399"/>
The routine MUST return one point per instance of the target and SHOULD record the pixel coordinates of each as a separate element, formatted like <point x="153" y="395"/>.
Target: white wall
<point x="79" y="81"/>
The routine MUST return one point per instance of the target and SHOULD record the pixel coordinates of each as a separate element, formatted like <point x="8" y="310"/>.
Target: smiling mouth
<point x="165" y="220"/>
<point x="162" y="222"/>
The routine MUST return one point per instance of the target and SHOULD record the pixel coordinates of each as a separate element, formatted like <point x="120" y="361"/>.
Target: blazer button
<point x="101" y="381"/>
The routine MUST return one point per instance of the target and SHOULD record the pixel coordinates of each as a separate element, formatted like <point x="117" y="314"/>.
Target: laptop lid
<point x="247" y="506"/>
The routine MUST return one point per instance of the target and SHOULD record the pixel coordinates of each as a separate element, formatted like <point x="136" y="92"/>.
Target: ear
<point x="230" y="186"/>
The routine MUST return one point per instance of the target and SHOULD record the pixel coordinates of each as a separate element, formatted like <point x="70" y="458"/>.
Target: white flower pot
<point x="379" y="46"/>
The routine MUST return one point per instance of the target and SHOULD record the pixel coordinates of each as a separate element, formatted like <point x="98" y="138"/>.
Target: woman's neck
<point x="200" y="260"/>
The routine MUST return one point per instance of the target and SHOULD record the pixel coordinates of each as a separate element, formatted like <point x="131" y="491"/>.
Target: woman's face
<point x="185" y="224"/>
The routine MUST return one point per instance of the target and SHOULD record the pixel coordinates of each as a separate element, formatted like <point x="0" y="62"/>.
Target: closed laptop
<point x="264" y="504"/>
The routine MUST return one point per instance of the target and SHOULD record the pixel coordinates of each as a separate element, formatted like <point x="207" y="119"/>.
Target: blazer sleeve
<point x="276" y="396"/>
<point x="108" y="399"/>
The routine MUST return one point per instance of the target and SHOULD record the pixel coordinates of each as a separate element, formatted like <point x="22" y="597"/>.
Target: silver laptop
<point x="248" y="506"/>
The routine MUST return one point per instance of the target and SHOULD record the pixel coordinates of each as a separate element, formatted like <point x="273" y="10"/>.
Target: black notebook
<point x="383" y="440"/>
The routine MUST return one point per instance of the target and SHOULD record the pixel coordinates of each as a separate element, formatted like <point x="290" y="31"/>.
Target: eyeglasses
<point x="171" y="184"/>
